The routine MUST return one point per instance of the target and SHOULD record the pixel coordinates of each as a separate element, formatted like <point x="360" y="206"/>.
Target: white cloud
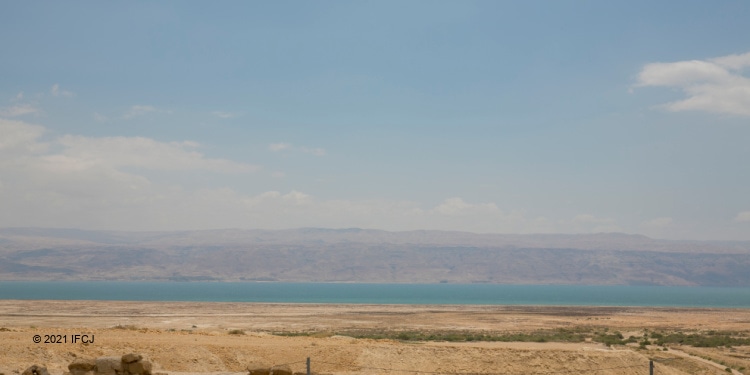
<point x="82" y="153"/>
<point x="659" y="222"/>
<point x="99" y="117"/>
<point x="103" y="183"/>
<point x="18" y="96"/>
<point x="296" y="198"/>
<point x="140" y="152"/>
<point x="56" y="91"/>
<point x="93" y="182"/>
<point x="457" y="206"/>
<point x="735" y="62"/>
<point x="97" y="183"/>
<point x="20" y="138"/>
<point x="18" y="110"/>
<point x="743" y="216"/>
<point x="276" y="147"/>
<point x="278" y="174"/>
<point x="714" y="85"/>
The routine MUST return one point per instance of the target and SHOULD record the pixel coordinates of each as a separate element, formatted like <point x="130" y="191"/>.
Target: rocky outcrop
<point x="128" y="364"/>
<point x="263" y="369"/>
<point x="258" y="369"/>
<point x="281" y="370"/>
<point x="82" y="366"/>
<point x="133" y="364"/>
<point x="108" y="366"/>
<point x="35" y="370"/>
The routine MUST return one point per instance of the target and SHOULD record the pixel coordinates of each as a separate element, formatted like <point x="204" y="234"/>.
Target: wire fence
<point x="644" y="366"/>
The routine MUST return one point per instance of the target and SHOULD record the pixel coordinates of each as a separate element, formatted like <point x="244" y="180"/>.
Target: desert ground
<point x="223" y="338"/>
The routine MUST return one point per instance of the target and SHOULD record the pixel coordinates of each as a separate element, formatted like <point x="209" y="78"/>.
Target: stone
<point x="108" y="366"/>
<point x="132" y="357"/>
<point x="281" y="370"/>
<point x="138" y="368"/>
<point x="258" y="369"/>
<point x="35" y="370"/>
<point x="82" y="364"/>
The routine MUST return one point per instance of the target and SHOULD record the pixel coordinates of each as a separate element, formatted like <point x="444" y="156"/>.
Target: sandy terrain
<point x="195" y="337"/>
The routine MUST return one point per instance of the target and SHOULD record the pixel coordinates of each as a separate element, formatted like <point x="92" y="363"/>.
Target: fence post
<point x="650" y="368"/>
<point x="308" y="366"/>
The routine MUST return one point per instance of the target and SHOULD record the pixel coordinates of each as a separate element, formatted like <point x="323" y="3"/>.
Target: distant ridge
<point x="367" y="255"/>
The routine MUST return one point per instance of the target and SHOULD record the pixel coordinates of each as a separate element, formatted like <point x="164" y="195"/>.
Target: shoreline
<point x="284" y="316"/>
<point x="389" y="294"/>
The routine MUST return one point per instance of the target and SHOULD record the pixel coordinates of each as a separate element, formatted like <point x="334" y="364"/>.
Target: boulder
<point x="108" y="366"/>
<point x="132" y="357"/>
<point x="281" y="370"/>
<point x="35" y="370"/>
<point x="82" y="366"/>
<point x="258" y="369"/>
<point x="142" y="367"/>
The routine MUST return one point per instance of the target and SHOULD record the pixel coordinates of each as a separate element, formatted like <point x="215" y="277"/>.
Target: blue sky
<point x="484" y="116"/>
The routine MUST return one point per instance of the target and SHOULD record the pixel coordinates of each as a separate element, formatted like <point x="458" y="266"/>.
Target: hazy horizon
<point x="476" y="116"/>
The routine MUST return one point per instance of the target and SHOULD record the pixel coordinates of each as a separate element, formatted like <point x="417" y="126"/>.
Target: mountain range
<point x="372" y="256"/>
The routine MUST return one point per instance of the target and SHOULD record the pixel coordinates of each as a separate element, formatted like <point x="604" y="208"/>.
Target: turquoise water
<point x="467" y="294"/>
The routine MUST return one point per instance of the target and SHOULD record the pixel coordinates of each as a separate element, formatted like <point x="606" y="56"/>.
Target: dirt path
<point x="719" y="366"/>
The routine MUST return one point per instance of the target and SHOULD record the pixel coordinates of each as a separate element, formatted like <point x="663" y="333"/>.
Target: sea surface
<point x="451" y="294"/>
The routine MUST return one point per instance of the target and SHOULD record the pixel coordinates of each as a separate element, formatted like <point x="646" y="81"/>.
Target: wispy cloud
<point x="18" y="110"/>
<point x="314" y="151"/>
<point x="714" y="85"/>
<point x="99" y="117"/>
<point x="742" y="216"/>
<point x="55" y="90"/>
<point x="276" y="147"/>
<point x="141" y="152"/>
<point x="82" y="153"/>
<point x="457" y="206"/>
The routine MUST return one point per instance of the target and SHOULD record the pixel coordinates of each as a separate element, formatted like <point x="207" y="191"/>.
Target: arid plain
<point x="182" y="337"/>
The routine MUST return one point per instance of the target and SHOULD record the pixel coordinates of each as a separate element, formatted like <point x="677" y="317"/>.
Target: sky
<point x="480" y="116"/>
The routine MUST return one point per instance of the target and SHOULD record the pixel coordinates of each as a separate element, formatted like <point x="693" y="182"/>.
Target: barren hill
<point x="359" y="255"/>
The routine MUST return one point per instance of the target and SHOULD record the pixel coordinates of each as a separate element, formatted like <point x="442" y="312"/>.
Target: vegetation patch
<point x="128" y="327"/>
<point x="561" y="335"/>
<point x="701" y="340"/>
<point x="604" y="336"/>
<point x="615" y="338"/>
